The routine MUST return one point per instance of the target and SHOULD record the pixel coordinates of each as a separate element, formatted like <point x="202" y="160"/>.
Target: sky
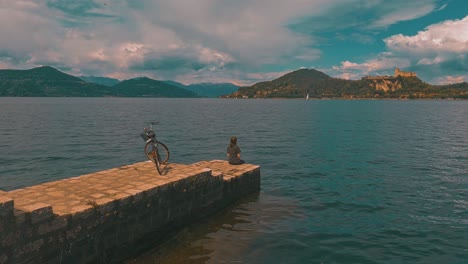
<point x="237" y="41"/>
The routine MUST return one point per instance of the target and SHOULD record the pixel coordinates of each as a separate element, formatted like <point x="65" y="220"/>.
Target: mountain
<point x="295" y="85"/>
<point x="212" y="89"/>
<point x="319" y="85"/>
<point x="146" y="87"/>
<point x="47" y="81"/>
<point x="100" y="80"/>
<point x="176" y="84"/>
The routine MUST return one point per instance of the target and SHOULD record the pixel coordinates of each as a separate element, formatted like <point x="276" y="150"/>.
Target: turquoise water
<point x="342" y="181"/>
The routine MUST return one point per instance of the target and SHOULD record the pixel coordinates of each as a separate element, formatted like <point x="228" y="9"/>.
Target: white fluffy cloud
<point x="447" y="37"/>
<point x="436" y="49"/>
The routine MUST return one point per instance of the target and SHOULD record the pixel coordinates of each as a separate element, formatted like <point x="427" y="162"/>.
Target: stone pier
<point x="111" y="215"/>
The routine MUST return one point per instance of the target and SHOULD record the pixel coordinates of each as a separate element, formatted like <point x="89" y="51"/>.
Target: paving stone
<point x="97" y="195"/>
<point x="118" y="183"/>
<point x="79" y="208"/>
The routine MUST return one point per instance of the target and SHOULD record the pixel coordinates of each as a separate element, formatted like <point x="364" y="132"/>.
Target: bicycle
<point x="155" y="150"/>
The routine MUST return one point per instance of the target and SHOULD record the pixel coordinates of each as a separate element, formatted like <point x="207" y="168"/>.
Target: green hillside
<point x="299" y="83"/>
<point x="100" y="80"/>
<point x="146" y="87"/>
<point x="47" y="81"/>
<point x="212" y="89"/>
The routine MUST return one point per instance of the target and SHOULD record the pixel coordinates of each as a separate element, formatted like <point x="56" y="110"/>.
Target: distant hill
<point x="319" y="85"/>
<point x="453" y="87"/>
<point x="47" y="81"/>
<point x="212" y="89"/>
<point x="100" y="80"/>
<point x="178" y="84"/>
<point x="300" y="79"/>
<point x="146" y="87"/>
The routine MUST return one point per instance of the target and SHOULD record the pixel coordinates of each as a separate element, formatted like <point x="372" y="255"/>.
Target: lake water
<point x="359" y="181"/>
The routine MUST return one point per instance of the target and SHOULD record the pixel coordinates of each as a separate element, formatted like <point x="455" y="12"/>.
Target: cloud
<point x="378" y="66"/>
<point x="161" y="39"/>
<point x="439" y="49"/>
<point x="362" y="14"/>
<point x="442" y="7"/>
<point x="451" y="79"/>
<point x="189" y="40"/>
<point x="447" y="37"/>
<point x="4" y="64"/>
<point x="22" y="27"/>
<point x="411" y="10"/>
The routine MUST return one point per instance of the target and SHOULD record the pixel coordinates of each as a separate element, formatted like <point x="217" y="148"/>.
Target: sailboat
<point x="307" y="96"/>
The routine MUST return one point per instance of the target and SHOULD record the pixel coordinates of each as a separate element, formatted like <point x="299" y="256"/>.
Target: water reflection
<point x="227" y="237"/>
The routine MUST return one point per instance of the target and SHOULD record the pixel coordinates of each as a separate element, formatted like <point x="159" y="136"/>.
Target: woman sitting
<point x="233" y="153"/>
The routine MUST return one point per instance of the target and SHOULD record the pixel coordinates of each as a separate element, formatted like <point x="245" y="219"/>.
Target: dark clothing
<point x="232" y="151"/>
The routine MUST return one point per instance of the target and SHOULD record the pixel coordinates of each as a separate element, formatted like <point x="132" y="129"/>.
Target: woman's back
<point x="233" y="152"/>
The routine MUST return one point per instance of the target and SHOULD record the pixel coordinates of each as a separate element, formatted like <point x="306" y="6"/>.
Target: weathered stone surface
<point x="29" y="247"/>
<point x="10" y="238"/>
<point x="38" y="211"/>
<point x="80" y="208"/>
<point x="6" y="205"/>
<point x="59" y="223"/>
<point x="20" y="217"/>
<point x="3" y="259"/>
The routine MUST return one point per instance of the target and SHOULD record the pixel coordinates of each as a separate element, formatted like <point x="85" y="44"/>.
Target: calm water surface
<point x="342" y="181"/>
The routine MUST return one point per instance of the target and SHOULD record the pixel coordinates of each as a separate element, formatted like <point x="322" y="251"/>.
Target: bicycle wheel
<point x="158" y="153"/>
<point x="163" y="152"/>
<point x="151" y="152"/>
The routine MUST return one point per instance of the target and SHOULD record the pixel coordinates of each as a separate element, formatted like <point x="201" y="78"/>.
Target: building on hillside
<point x="398" y="72"/>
